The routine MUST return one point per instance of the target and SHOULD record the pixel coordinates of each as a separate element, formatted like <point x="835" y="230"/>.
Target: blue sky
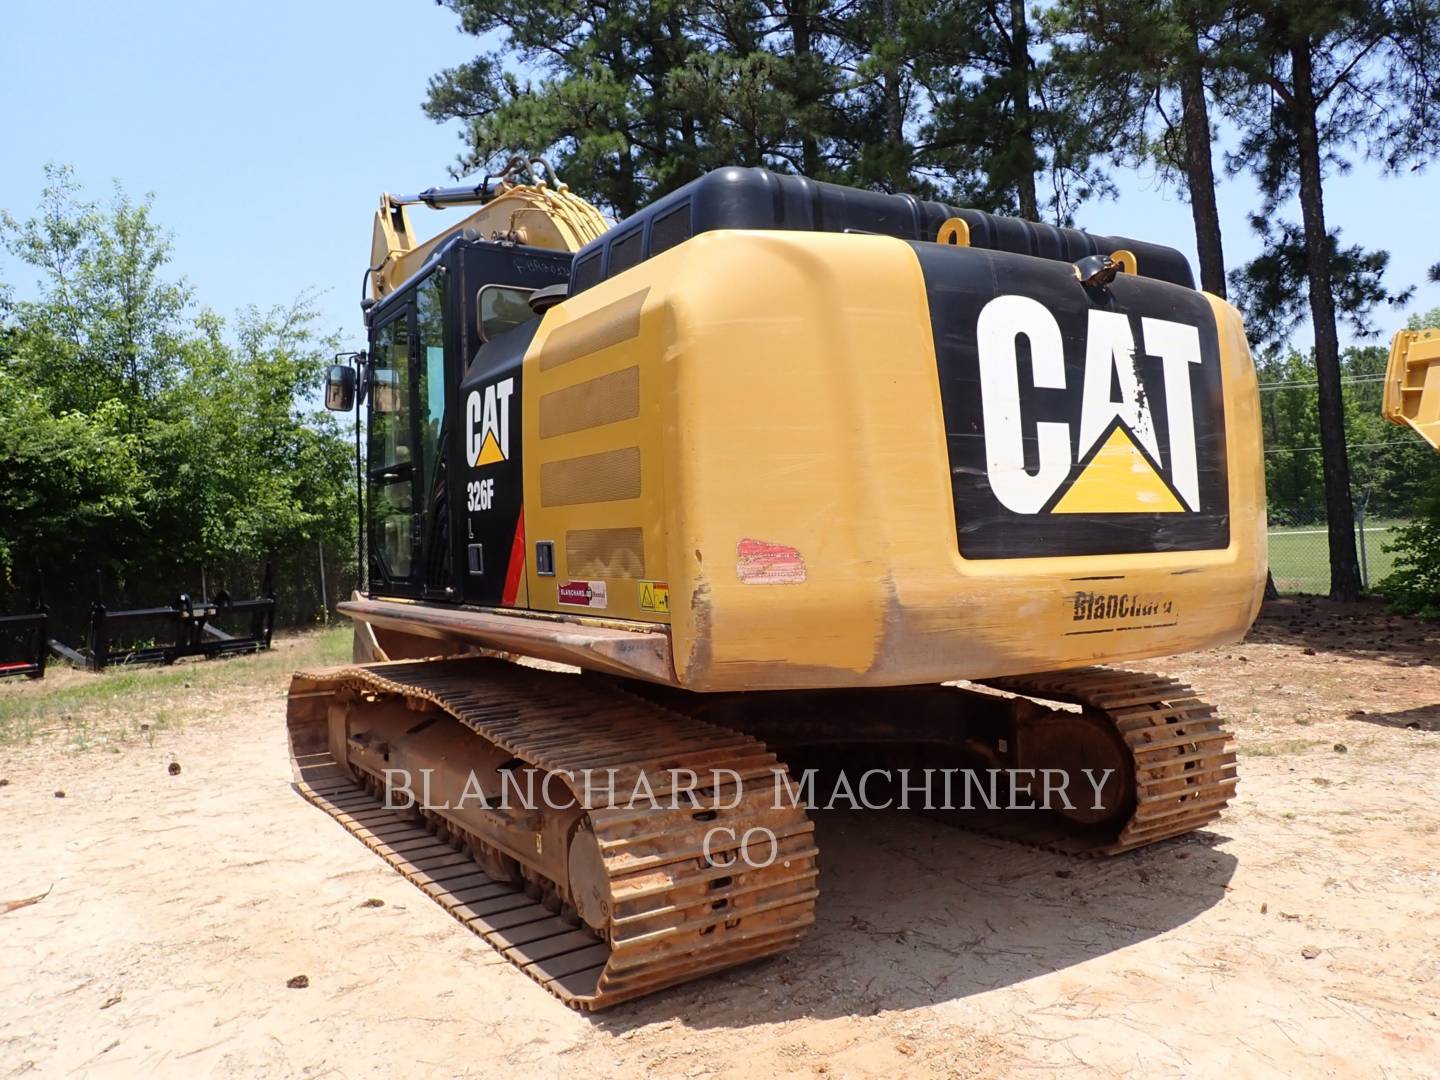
<point x="267" y="131"/>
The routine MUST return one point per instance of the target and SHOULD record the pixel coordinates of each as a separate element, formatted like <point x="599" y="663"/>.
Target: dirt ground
<point x="1299" y="936"/>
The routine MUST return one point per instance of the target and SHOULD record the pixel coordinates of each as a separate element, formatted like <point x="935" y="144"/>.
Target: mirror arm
<point x="360" y="361"/>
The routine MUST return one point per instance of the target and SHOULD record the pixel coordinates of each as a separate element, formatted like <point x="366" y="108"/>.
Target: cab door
<point x="407" y="493"/>
<point x="392" y="457"/>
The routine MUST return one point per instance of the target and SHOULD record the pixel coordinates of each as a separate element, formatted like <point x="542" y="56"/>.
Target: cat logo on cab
<point x="487" y="419"/>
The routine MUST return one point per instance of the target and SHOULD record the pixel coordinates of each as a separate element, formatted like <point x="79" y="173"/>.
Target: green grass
<point x="1281" y="748"/>
<point x="1300" y="556"/>
<point x="130" y="704"/>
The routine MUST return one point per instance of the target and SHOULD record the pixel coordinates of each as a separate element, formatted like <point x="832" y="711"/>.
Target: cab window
<point x="501" y="308"/>
<point x="390" y="453"/>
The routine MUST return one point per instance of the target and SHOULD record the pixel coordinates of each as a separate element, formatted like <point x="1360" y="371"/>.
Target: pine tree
<point x="632" y="99"/>
<point x="1321" y="78"/>
<point x="1006" y="125"/>
<point x="1148" y="68"/>
<point x="601" y="103"/>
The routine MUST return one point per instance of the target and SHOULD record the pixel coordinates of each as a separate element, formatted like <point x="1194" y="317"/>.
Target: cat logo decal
<point x="487" y="419"/>
<point x="1107" y="459"/>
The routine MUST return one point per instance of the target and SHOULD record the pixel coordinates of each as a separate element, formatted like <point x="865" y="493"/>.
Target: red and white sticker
<point x="759" y="562"/>
<point x="589" y="594"/>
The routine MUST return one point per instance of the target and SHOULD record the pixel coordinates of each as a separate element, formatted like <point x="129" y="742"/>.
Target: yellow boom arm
<point x="540" y="213"/>
<point x="1412" y="383"/>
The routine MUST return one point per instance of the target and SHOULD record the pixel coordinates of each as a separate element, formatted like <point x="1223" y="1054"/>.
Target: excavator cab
<point x="424" y="336"/>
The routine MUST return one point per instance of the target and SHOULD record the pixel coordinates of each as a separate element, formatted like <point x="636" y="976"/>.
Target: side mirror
<point x="339" y="388"/>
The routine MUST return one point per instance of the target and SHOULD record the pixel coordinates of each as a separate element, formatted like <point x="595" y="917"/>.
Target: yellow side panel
<point x="808" y="453"/>
<point x="594" y="469"/>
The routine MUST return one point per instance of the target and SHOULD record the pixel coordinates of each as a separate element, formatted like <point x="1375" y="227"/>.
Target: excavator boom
<point x="525" y="205"/>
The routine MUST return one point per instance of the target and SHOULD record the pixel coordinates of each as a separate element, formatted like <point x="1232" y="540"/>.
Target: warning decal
<point x="655" y="596"/>
<point x="759" y="562"/>
<point x="587" y="594"/>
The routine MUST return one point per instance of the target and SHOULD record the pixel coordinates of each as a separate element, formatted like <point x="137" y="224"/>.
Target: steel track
<point x="674" y="916"/>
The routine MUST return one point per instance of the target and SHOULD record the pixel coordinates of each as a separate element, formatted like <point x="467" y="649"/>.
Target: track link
<point x="673" y="914"/>
<point x="1184" y="775"/>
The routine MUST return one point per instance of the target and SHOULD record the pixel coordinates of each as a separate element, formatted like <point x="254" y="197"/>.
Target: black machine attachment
<point x="29" y="632"/>
<point x="190" y="622"/>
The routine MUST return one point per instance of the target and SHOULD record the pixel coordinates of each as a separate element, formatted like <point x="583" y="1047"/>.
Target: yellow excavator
<point x="771" y="470"/>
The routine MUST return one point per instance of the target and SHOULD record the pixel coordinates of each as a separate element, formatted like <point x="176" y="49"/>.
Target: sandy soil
<point x="1297" y="937"/>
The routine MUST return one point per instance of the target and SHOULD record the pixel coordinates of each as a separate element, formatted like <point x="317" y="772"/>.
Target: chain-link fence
<point x="1300" y="539"/>
<point x="308" y="579"/>
<point x="1389" y="472"/>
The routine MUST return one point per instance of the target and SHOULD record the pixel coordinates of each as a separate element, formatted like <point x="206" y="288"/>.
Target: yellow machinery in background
<point x="768" y="468"/>
<point x="1412" y="383"/>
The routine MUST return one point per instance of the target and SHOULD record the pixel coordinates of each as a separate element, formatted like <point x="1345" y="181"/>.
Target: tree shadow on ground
<point x="1364" y="630"/>
<point x="1421" y="718"/>
<point x="913" y="912"/>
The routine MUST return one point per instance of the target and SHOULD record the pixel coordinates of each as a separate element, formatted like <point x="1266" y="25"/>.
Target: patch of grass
<point x="1300" y="557"/>
<point x="134" y="703"/>
<point x="1280" y="749"/>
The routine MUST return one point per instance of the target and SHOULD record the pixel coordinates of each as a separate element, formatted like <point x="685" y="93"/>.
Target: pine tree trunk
<point x="628" y="200"/>
<point x="1024" y="122"/>
<point x="1344" y="568"/>
<point x="689" y="167"/>
<point x="894" y="107"/>
<point x="1200" y="173"/>
<point x="800" y="42"/>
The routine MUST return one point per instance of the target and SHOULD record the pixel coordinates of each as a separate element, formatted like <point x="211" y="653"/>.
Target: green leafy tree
<point x="1390" y="469"/>
<point x="146" y="439"/>
<point x="70" y="482"/>
<point x="106" y="326"/>
<point x="238" y="445"/>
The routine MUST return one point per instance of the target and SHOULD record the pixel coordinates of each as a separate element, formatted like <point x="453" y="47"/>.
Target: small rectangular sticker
<point x="655" y="596"/>
<point x="587" y="594"/>
<point x="759" y="562"/>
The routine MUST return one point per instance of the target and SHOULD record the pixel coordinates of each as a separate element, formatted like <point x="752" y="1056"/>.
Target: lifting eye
<point x="955" y="232"/>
